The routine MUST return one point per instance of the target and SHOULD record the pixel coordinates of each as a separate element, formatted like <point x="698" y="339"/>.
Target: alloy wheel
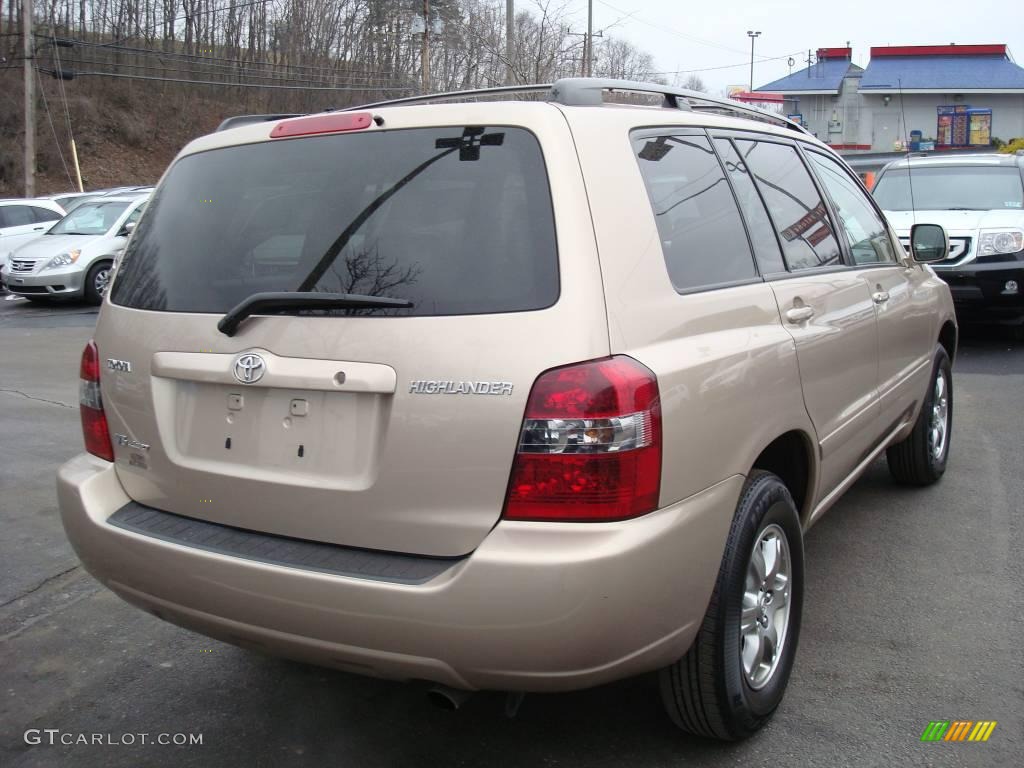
<point x="764" y="615"/>
<point x="938" y="428"/>
<point x="102" y="280"/>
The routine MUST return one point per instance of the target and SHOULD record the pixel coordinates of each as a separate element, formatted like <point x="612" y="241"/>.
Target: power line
<point x="212" y="60"/>
<point x="63" y="92"/>
<point x="53" y="129"/>
<point x="684" y="35"/>
<point x="225" y="84"/>
<point x="200" y="14"/>
<point x="364" y="80"/>
<point x="724" y="66"/>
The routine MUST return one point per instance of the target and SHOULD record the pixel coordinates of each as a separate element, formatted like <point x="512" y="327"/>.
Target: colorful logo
<point x="958" y="730"/>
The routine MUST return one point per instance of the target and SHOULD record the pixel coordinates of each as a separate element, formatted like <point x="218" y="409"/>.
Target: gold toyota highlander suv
<point x="523" y="395"/>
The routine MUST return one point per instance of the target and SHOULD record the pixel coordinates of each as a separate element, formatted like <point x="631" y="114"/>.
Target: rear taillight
<point x="94" y="420"/>
<point x="590" y="446"/>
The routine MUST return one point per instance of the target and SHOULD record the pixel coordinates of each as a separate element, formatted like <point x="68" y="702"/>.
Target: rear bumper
<point x="980" y="289"/>
<point x="537" y="606"/>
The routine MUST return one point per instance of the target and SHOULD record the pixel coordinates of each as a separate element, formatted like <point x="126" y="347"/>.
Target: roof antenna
<point x="906" y="139"/>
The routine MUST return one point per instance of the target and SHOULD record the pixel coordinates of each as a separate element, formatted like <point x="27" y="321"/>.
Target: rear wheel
<point x="732" y="679"/>
<point x="97" y="280"/>
<point x="920" y="458"/>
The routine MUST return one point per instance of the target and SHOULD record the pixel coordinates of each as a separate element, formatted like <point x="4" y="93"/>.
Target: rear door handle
<point x="798" y="315"/>
<point x="880" y="297"/>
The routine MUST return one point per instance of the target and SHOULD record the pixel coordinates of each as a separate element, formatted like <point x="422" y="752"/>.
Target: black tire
<point x="914" y="460"/>
<point x="93" y="292"/>
<point x="707" y="692"/>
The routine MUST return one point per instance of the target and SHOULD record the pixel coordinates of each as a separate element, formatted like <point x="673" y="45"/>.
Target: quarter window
<point x="702" y="235"/>
<point x="762" y="233"/>
<point x="43" y="215"/>
<point x="864" y="229"/>
<point x="796" y="208"/>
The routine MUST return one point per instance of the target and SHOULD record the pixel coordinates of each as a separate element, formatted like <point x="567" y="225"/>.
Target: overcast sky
<point x="701" y="35"/>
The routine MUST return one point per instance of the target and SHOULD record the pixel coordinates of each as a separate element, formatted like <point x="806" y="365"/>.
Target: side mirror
<point x="127" y="229"/>
<point x="928" y="243"/>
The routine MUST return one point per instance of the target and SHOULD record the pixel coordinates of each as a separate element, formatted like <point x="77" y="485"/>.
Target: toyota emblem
<point x="249" y="368"/>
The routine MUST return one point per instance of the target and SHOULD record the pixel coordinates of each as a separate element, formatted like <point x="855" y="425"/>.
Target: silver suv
<point x="524" y="396"/>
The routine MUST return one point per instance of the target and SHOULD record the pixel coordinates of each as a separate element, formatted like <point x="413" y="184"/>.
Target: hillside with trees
<point x="133" y="80"/>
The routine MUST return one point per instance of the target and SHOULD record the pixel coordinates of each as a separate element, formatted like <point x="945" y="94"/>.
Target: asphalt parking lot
<point x="914" y="612"/>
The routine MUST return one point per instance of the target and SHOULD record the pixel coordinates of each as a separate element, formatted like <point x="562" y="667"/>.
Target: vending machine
<point x="944" y="130"/>
<point x="980" y="131"/>
<point x="953" y="129"/>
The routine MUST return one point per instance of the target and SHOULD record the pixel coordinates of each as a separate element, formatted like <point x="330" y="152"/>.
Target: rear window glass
<point x="457" y="220"/>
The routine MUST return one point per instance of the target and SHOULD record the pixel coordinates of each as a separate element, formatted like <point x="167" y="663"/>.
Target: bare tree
<point x="692" y="82"/>
<point x="363" y="48"/>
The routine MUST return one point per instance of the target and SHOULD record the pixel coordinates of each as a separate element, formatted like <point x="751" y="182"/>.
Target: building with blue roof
<point x="822" y="78"/>
<point x="954" y="95"/>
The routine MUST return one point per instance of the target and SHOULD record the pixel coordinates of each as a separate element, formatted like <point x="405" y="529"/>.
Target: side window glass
<point x="45" y="214"/>
<point x="762" y="233"/>
<point x="701" y="232"/>
<point x="134" y="215"/>
<point x="18" y="215"/>
<point x="794" y="204"/>
<point x="864" y="229"/>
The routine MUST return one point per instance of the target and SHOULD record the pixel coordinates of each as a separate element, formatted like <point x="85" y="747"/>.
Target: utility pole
<point x="588" y="45"/>
<point x="30" y="100"/>
<point x="510" y="25"/>
<point x="753" y="36"/>
<point x="425" y="54"/>
<point x="587" y="63"/>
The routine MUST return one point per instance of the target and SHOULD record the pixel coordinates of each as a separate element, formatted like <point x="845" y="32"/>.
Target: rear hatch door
<point x="389" y="429"/>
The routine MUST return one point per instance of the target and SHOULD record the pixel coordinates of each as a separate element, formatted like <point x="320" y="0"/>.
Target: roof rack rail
<point x="237" y="120"/>
<point x="454" y="96"/>
<point x="584" y="91"/>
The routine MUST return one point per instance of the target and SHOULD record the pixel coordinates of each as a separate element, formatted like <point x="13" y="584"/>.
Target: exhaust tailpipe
<point x="450" y="699"/>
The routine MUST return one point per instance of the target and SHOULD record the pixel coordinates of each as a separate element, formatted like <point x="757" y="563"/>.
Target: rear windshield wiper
<point x="261" y="302"/>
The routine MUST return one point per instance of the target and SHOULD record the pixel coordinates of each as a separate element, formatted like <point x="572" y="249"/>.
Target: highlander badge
<point x="421" y="387"/>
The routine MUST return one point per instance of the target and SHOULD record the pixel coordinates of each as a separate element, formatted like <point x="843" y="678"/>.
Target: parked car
<point x="22" y="220"/>
<point x="80" y="200"/>
<point x="121" y="191"/>
<point x="523" y="396"/>
<point x="75" y="258"/>
<point x="979" y="200"/>
<point x="65" y="199"/>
